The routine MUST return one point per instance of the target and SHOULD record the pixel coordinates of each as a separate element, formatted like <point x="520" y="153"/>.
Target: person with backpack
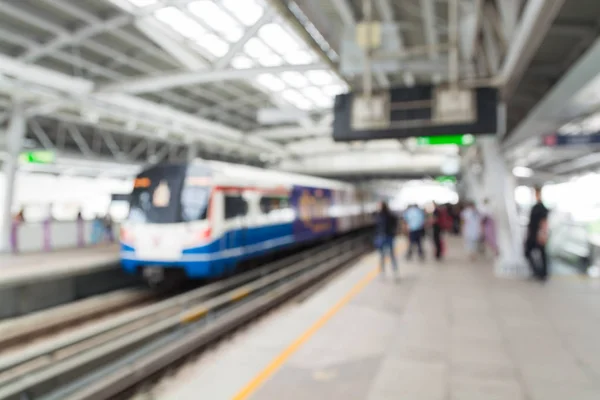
<point x="386" y="228"/>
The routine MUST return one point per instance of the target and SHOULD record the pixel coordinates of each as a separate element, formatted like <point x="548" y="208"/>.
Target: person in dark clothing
<point x="537" y="234"/>
<point x="387" y="225"/>
<point x="436" y="230"/>
<point x="108" y="228"/>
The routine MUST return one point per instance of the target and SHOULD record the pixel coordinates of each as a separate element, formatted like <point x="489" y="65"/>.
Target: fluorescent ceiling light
<point x="214" y="45"/>
<point x="271" y="82"/>
<point x="246" y="11"/>
<point x="279" y="39"/>
<point x="256" y="48"/>
<point x="241" y="62"/>
<point x="299" y="57"/>
<point x="214" y="16"/>
<point x="319" y="77"/>
<point x="522" y="172"/>
<point x="294" y="78"/>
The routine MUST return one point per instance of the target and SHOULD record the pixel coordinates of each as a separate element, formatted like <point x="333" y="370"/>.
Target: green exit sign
<point x="446" y="179"/>
<point x="37" y="157"/>
<point x="459" y="140"/>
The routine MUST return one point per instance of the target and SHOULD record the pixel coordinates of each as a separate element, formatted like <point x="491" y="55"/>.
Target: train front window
<point x="194" y="203"/>
<point x="156" y="196"/>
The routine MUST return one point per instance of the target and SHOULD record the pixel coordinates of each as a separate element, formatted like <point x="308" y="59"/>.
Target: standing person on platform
<point x="537" y="235"/>
<point x="387" y="225"/>
<point x="108" y="228"/>
<point x="414" y="219"/>
<point x="471" y="225"/>
<point x="436" y="230"/>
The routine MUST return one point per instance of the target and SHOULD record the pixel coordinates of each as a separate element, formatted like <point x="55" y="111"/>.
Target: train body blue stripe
<point x="213" y="258"/>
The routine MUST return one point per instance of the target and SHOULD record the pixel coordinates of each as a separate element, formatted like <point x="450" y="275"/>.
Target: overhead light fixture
<point x="522" y="172"/>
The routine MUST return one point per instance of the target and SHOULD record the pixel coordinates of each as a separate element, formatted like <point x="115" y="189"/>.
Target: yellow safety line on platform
<point x="193" y="315"/>
<point x="240" y="294"/>
<point x="278" y="361"/>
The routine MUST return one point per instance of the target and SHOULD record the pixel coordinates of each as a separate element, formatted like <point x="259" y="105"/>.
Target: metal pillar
<point x="14" y="141"/>
<point x="473" y="189"/>
<point x="500" y="187"/>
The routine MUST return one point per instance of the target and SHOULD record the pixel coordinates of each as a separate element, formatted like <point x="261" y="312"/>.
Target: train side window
<point x="268" y="204"/>
<point x="235" y="206"/>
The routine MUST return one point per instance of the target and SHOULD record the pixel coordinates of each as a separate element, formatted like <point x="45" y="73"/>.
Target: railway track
<point x="103" y="360"/>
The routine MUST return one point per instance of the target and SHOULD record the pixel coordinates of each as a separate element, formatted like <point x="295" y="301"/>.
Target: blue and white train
<point x="200" y="220"/>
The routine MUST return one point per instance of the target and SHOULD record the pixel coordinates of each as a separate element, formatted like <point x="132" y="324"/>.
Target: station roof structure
<point x="253" y="81"/>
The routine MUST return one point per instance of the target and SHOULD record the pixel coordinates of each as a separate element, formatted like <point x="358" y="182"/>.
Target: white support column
<point x="14" y="142"/>
<point x="473" y="188"/>
<point x="500" y="184"/>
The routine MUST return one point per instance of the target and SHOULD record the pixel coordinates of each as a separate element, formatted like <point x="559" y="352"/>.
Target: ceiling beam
<point x="574" y="95"/>
<point x="238" y="46"/>
<point x="292" y="133"/>
<point x="431" y="36"/>
<point x="581" y="163"/>
<point x="88" y="31"/>
<point x="177" y="79"/>
<point x="509" y="12"/>
<point x="53" y="86"/>
<point x="533" y="26"/>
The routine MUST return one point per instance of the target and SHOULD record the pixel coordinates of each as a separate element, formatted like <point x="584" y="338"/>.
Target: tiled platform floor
<point x="446" y="331"/>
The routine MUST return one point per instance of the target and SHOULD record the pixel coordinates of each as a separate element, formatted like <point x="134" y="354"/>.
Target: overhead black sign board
<point x="556" y="140"/>
<point x="410" y="112"/>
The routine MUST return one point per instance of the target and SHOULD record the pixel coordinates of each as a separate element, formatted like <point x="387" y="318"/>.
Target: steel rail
<point x="179" y="302"/>
<point x="172" y="314"/>
<point x="116" y="378"/>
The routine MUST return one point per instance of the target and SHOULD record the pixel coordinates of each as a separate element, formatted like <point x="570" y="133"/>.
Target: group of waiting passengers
<point x="475" y="225"/>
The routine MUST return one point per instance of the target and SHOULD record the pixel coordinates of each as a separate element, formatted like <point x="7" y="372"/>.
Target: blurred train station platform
<point x="447" y="330"/>
<point x="41" y="266"/>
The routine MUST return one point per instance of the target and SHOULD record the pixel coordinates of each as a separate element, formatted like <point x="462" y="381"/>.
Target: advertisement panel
<point x="313" y="207"/>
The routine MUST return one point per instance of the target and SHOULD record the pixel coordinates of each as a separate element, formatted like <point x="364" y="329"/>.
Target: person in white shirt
<point x="471" y="229"/>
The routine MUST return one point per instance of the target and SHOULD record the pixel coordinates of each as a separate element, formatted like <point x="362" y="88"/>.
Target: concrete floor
<point x="32" y="266"/>
<point x="445" y="331"/>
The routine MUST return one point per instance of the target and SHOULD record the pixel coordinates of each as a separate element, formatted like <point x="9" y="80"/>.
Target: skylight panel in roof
<point x="333" y="90"/>
<point x="256" y="48"/>
<point x="180" y="22"/>
<point x="214" y="16"/>
<point x="299" y="58"/>
<point x="294" y="78"/>
<point x="214" y="45"/>
<point x="318" y="97"/>
<point x="295" y="98"/>
<point x="279" y="39"/>
<point x="270" y="60"/>
<point x="241" y="62"/>
<point x="246" y="11"/>
<point x="271" y="82"/>
<point x="319" y="77"/>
